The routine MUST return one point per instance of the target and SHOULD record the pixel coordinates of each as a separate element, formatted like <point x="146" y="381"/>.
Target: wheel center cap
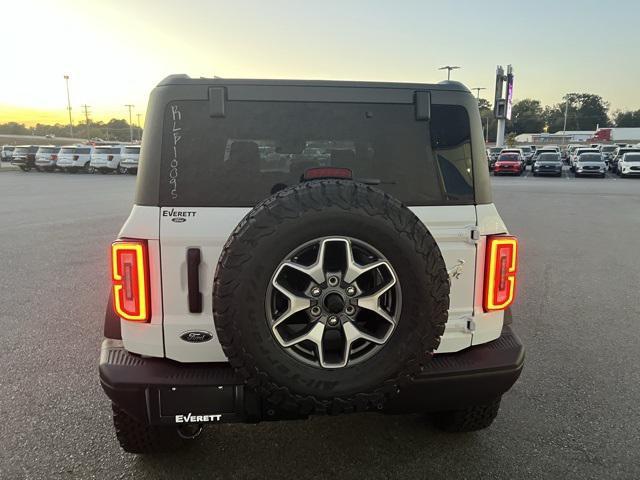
<point x="334" y="302"/>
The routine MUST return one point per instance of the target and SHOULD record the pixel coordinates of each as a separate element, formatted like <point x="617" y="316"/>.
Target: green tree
<point x="526" y="117"/>
<point x="113" y="130"/>
<point x="627" y="119"/>
<point x="14" y="128"/>
<point x="486" y="114"/>
<point x="585" y="111"/>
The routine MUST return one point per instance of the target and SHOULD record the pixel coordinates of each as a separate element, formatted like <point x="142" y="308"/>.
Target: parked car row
<point x="589" y="157"/>
<point x="583" y="161"/>
<point x="120" y="159"/>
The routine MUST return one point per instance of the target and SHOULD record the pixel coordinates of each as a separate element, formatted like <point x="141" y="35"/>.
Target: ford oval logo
<point x="178" y="219"/>
<point x="196" y="336"/>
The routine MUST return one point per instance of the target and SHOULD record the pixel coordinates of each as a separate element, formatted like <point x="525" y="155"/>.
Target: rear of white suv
<point x="273" y="268"/>
<point x="106" y="159"/>
<point x="75" y="158"/>
<point x="46" y="157"/>
<point x="130" y="156"/>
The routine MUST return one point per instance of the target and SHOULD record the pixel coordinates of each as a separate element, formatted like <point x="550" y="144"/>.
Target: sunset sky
<point x="116" y="51"/>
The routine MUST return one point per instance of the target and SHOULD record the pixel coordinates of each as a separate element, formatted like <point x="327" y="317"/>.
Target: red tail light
<point x="54" y="157"/>
<point x="500" y="272"/>
<point x="130" y="279"/>
<point x="109" y="158"/>
<point x="327" y="172"/>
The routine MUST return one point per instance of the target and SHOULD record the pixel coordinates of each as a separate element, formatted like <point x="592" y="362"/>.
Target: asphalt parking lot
<point x="575" y="413"/>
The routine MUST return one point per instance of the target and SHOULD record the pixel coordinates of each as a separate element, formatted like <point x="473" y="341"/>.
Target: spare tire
<point x="329" y="296"/>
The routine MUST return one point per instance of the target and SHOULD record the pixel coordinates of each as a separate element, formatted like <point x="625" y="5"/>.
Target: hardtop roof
<point x="181" y="79"/>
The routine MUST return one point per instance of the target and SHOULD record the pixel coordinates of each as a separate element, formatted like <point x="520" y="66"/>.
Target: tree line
<point x="114" y="129"/>
<point x="585" y="111"/>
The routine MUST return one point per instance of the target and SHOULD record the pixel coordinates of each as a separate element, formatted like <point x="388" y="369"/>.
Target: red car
<point x="508" y="163"/>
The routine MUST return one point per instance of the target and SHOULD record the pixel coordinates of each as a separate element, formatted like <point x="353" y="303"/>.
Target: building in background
<point x="558" y="138"/>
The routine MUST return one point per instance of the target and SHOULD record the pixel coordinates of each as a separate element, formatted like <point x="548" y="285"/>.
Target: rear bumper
<point x="22" y="161"/>
<point x="507" y="168"/>
<point x="547" y="171"/>
<point x="163" y="392"/>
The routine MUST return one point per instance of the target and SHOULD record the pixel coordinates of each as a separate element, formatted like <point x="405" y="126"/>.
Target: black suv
<point x="24" y="156"/>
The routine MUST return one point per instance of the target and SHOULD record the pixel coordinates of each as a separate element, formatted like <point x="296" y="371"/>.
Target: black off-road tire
<point x="282" y="223"/>
<point x="136" y="437"/>
<point x="468" y="419"/>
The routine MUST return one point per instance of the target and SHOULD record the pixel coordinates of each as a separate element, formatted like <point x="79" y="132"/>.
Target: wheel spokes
<point x="315" y="271"/>
<point x="314" y="335"/>
<point x="296" y="304"/>
<point x="372" y="302"/>
<point x="335" y="286"/>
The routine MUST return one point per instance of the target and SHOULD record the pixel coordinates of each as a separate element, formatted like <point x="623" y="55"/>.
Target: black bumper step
<point x="159" y="391"/>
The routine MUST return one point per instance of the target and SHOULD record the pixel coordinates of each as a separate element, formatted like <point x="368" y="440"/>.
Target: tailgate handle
<point x="193" y="280"/>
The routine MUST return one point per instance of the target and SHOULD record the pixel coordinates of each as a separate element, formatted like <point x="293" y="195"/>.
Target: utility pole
<point x="448" y="68"/>
<point x="477" y="89"/>
<point x="86" y="117"/>
<point x="139" y="129"/>
<point x="130" y="124"/>
<point x="66" y="79"/>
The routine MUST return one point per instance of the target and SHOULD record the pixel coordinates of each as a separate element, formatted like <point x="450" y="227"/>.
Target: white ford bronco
<point x="300" y="248"/>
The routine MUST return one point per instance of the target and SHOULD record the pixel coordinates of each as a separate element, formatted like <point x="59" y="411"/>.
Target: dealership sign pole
<point x="503" y="101"/>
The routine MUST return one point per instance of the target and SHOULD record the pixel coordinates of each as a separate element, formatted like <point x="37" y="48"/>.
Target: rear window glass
<point x="48" y="149"/>
<point x="76" y="150"/>
<point x="258" y="148"/>
<point x="25" y="150"/>
<point x="622" y="151"/>
<point x="590" y="157"/>
<point x="110" y="150"/>
<point x="134" y="150"/>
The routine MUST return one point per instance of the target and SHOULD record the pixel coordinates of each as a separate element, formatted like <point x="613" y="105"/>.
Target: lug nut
<point x="315" y="311"/>
<point x="316" y="291"/>
<point x="350" y="310"/>
<point x="351" y="290"/>
<point x="333" y="281"/>
<point x="332" y="321"/>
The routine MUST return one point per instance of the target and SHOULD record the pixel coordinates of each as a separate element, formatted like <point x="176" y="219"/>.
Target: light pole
<point x="564" y="128"/>
<point x="477" y="89"/>
<point x="448" y="68"/>
<point x="66" y="79"/>
<point x="139" y="129"/>
<point x="130" y="124"/>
